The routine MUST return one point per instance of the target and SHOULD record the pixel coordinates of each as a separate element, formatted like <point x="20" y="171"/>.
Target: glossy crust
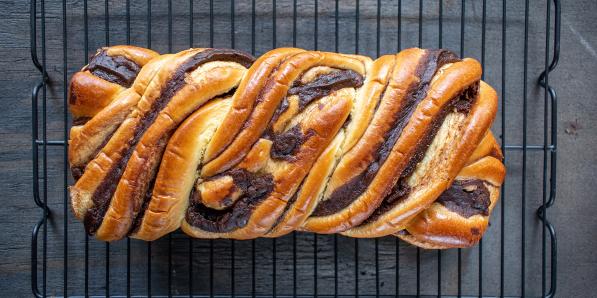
<point x="203" y="84"/>
<point x="89" y="94"/>
<point x="455" y="141"/>
<point x="438" y="227"/>
<point x="244" y="103"/>
<point x="143" y="157"/>
<point x="321" y="120"/>
<point x="87" y="140"/>
<point x="268" y="88"/>
<point x="310" y="191"/>
<point x="324" y="122"/>
<point x="186" y="149"/>
<point x="98" y="155"/>
<point x="178" y="170"/>
<point x="394" y="87"/>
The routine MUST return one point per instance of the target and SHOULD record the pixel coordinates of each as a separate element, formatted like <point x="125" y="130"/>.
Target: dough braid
<point x="224" y="145"/>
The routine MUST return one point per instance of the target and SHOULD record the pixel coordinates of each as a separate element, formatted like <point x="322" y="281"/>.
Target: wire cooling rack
<point x="518" y="44"/>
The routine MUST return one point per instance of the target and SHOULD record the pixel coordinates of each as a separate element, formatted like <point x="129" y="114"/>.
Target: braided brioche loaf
<point x="224" y="145"/>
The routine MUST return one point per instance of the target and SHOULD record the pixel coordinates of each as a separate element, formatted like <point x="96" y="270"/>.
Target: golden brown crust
<point x="443" y="163"/>
<point x="438" y="227"/>
<point x="89" y="94"/>
<point x="86" y="140"/>
<point x="310" y="191"/>
<point x="393" y="86"/>
<point x="205" y="81"/>
<point x="320" y="122"/>
<point x="282" y="154"/>
<point x="139" y="55"/>
<point x="244" y="102"/>
<point x="487" y="147"/>
<point x="445" y="85"/>
<point x="96" y="170"/>
<point x="177" y="173"/>
<point x="367" y="99"/>
<point x="272" y="90"/>
<point x="201" y="85"/>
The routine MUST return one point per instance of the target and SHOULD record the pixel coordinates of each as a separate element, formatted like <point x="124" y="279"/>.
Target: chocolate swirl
<point x="299" y="140"/>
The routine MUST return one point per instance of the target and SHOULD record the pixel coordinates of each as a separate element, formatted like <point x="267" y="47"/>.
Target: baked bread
<point x="110" y="195"/>
<point x="459" y="217"/>
<point x="102" y="94"/>
<point x="226" y="146"/>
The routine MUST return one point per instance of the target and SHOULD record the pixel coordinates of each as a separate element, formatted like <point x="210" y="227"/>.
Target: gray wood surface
<point x="573" y="214"/>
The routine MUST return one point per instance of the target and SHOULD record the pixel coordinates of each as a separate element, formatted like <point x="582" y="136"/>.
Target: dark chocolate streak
<point x="350" y="191"/>
<point x="103" y="194"/>
<point x="289" y="204"/>
<point x="254" y="187"/>
<point x="115" y="69"/>
<point x="467" y="198"/>
<point x="79" y="120"/>
<point x="285" y="144"/>
<point x="322" y="86"/>
<point x="148" y="194"/>
<point x="77" y="171"/>
<point x="461" y="103"/>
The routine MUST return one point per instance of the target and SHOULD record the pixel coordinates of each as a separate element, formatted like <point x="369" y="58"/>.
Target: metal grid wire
<point x="66" y="262"/>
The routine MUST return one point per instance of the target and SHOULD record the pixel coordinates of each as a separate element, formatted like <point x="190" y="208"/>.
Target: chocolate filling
<point x="139" y="218"/>
<point x="289" y="204"/>
<point x="104" y="192"/>
<point x="467" y="198"/>
<point x="401" y="189"/>
<point x="350" y="191"/>
<point x="77" y="171"/>
<point x="148" y="194"/>
<point x="115" y="69"/>
<point x="286" y="144"/>
<point x="254" y="187"/>
<point x="80" y="120"/>
<point x="324" y="85"/>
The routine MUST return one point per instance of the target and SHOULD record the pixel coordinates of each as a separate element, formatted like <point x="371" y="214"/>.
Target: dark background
<point x="573" y="213"/>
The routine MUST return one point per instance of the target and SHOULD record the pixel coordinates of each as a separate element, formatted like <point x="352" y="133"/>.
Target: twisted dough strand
<point x="226" y="146"/>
